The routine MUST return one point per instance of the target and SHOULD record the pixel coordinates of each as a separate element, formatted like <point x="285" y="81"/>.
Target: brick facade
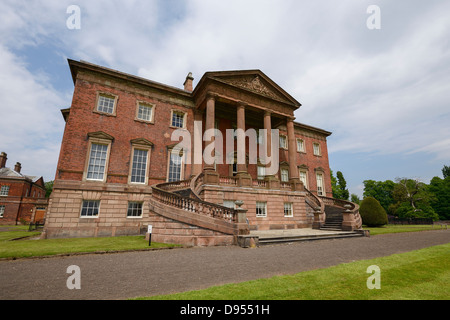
<point x="121" y="132"/>
<point x="22" y="197"/>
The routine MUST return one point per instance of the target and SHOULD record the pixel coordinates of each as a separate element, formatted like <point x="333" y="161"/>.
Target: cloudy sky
<point x="384" y="93"/>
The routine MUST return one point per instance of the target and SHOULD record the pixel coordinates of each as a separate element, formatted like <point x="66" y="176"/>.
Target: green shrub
<point x="372" y="213"/>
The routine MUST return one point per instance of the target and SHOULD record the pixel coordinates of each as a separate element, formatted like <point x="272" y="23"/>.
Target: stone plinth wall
<point x="275" y="199"/>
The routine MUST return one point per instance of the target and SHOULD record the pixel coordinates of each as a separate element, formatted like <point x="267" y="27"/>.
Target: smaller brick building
<point x="22" y="197"/>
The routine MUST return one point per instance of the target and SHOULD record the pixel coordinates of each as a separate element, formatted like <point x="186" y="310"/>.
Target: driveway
<point x="133" y="274"/>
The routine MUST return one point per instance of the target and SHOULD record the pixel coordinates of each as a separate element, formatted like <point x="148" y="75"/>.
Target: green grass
<point x="15" y="232"/>
<point x="401" y="228"/>
<point x="47" y="247"/>
<point x="416" y="275"/>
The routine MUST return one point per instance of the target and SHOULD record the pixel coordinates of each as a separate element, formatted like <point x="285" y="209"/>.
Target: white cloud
<point x="383" y="91"/>
<point x="30" y="122"/>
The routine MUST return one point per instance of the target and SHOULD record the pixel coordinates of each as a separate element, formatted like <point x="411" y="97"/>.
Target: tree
<point x="341" y="186"/>
<point x="334" y="188"/>
<point x="446" y="172"/>
<point x="355" y="199"/>
<point x="413" y="199"/>
<point x="380" y="190"/>
<point x="440" y="188"/>
<point x="48" y="188"/>
<point x="372" y="213"/>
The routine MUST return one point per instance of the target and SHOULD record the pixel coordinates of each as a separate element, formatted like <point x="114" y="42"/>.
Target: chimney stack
<point x="18" y="167"/>
<point x="3" y="159"/>
<point x="188" y="84"/>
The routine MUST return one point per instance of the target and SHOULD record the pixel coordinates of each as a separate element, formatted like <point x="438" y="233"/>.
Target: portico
<point x="245" y="100"/>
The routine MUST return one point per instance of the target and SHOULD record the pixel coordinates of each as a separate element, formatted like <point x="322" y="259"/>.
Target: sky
<point x="383" y="92"/>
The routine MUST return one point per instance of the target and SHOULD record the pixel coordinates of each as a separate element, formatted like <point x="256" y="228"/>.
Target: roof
<point x="11" y="174"/>
<point x="253" y="80"/>
<point x="76" y="66"/>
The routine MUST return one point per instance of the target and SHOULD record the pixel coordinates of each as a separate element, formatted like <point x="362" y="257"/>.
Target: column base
<point x="272" y="182"/>
<point x="210" y="176"/>
<point x="296" y="184"/>
<point x="244" y="179"/>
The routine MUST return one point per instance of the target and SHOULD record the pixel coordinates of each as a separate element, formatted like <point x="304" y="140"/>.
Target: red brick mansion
<point x="120" y="167"/>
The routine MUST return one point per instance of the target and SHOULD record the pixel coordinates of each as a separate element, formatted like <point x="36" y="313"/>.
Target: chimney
<point x="17" y="167"/>
<point x="3" y="159"/>
<point x="188" y="83"/>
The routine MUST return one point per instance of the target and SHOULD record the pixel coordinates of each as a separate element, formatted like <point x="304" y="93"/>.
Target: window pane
<point x="134" y="209"/>
<point x="261" y="172"/>
<point x="303" y="178"/>
<point x="4" y="191"/>
<point x="145" y="112"/>
<point x="139" y="166"/>
<point x="284" y="175"/>
<point x="288" y="209"/>
<point x="316" y="149"/>
<point x="175" y="167"/>
<point x="105" y="104"/>
<point x="261" y="210"/>
<point x="177" y="119"/>
<point x="97" y="161"/>
<point x="90" y="208"/>
<point x="320" y="191"/>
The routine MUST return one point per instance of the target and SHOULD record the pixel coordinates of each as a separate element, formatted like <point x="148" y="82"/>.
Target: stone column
<point x="210" y="175"/>
<point x="272" y="181"/>
<point x="292" y="152"/>
<point x="244" y="179"/>
<point x="197" y="144"/>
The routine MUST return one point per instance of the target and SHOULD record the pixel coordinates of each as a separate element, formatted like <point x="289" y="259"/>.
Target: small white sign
<point x="150" y="227"/>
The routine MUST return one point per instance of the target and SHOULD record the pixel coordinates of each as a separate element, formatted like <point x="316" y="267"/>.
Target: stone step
<point x="273" y="240"/>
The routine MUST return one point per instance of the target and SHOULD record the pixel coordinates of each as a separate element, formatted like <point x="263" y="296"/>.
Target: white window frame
<point x="134" y="209"/>
<point x="288" y="210"/>
<point x="132" y="163"/>
<point x="283" y="141"/>
<point x="4" y="190"/>
<point x="88" y="207"/>
<point x="2" y="210"/>
<point x="305" y="180"/>
<point x="172" y="151"/>
<point x="261" y="209"/>
<point x="320" y="184"/>
<point x="144" y="104"/>
<point x="108" y="96"/>
<point x="178" y="112"/>
<point x="88" y="160"/>
<point x="300" y="145"/>
<point x="100" y="139"/>
<point x="316" y="149"/>
<point x="284" y="174"/>
<point x="261" y="172"/>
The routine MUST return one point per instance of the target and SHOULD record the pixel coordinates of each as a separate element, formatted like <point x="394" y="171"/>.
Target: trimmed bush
<point x="372" y="213"/>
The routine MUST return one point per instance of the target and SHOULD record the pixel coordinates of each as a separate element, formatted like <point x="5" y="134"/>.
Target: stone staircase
<point x="296" y="235"/>
<point x="334" y="218"/>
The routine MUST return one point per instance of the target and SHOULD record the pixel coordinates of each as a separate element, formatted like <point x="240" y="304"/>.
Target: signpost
<point x="149" y="231"/>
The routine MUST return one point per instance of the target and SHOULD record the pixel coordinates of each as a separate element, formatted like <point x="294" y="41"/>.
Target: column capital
<point x="241" y="104"/>
<point x="290" y="118"/>
<point x="211" y="95"/>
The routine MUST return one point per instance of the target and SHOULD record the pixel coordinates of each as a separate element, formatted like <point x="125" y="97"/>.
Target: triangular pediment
<point x="100" y="135"/>
<point x="254" y="81"/>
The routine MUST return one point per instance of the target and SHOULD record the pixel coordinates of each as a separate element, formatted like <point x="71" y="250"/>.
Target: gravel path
<point x="132" y="274"/>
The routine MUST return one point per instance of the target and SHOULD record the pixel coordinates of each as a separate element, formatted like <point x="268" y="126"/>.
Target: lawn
<point x="401" y="228"/>
<point x="46" y="247"/>
<point x="416" y="275"/>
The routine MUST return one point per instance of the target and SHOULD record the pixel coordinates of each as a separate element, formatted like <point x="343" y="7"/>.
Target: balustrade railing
<point x="194" y="205"/>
